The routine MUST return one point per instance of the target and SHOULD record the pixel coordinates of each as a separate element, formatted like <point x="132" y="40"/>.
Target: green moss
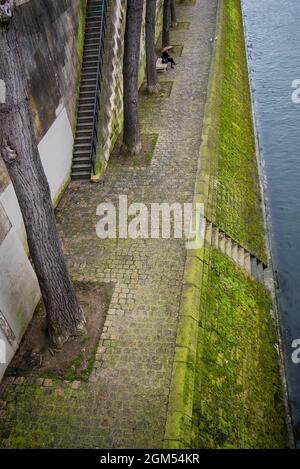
<point x="238" y="395"/>
<point x="237" y="186"/>
<point x="40" y="403"/>
<point x="61" y="191"/>
<point x="79" y="45"/>
<point x="81" y="28"/>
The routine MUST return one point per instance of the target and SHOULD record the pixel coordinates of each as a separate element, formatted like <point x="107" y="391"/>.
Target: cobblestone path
<point x="124" y="404"/>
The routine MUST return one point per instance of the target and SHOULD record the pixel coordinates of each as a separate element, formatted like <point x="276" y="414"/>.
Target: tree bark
<point x="152" y="81"/>
<point x="20" y="153"/>
<point x="166" y="23"/>
<point x="173" y="14"/>
<point x="132" y="42"/>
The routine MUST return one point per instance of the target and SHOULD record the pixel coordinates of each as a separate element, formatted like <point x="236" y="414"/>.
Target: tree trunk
<point x="173" y="14"/>
<point x="166" y="23"/>
<point x="20" y="153"/>
<point x="152" y="81"/>
<point x="133" y="29"/>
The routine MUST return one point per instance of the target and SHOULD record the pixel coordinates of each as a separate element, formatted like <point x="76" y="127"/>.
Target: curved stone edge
<point x="178" y="430"/>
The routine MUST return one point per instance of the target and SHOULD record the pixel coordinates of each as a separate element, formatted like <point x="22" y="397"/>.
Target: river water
<point x="273" y="43"/>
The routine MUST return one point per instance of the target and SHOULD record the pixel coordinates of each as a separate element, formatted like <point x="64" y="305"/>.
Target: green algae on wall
<point x="237" y="187"/>
<point x="79" y="45"/>
<point x="238" y="396"/>
<point x="238" y="392"/>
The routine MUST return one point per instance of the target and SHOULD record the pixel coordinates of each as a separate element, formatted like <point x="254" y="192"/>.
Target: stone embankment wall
<point x="51" y="41"/>
<point x="227" y="390"/>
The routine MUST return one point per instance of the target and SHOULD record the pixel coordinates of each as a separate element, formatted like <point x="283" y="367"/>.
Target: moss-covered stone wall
<point x="226" y="388"/>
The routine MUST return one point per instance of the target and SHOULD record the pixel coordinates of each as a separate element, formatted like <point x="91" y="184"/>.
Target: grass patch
<point x="238" y="394"/>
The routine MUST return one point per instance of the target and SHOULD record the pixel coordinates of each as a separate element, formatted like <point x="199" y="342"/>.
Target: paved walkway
<point x="125" y="402"/>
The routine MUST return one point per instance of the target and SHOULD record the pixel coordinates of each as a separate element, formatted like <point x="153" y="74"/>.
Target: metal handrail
<point x="98" y="86"/>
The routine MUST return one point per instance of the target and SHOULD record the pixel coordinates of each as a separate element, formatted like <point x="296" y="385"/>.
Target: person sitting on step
<point x="166" y="58"/>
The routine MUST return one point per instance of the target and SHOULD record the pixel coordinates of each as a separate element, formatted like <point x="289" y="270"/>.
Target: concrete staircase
<point x="86" y="136"/>
<point x="238" y="254"/>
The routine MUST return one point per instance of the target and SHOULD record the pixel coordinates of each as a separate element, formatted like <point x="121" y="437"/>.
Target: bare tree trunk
<point x="166" y="23"/>
<point x="20" y="153"/>
<point x="131" y="136"/>
<point x="173" y="14"/>
<point x="152" y="81"/>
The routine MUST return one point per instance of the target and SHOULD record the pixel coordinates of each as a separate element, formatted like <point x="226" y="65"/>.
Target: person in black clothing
<point x="166" y="58"/>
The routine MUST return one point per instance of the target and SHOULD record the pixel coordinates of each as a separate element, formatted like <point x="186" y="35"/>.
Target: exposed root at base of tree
<point x="153" y="89"/>
<point x="58" y="335"/>
<point x="132" y="149"/>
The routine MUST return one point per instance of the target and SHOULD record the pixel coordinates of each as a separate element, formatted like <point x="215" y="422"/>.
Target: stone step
<point x="90" y="61"/>
<point x="260" y="272"/>
<point x="228" y="246"/>
<point x="79" y="166"/>
<point x="268" y="278"/>
<point x="82" y="160"/>
<point x="81" y="139"/>
<point x="89" y="100"/>
<point x="82" y="155"/>
<point x="208" y="233"/>
<point x="215" y="237"/>
<point x="95" y="26"/>
<point x="241" y="256"/>
<point x="89" y="67"/>
<point x="91" y="52"/>
<point x="234" y="252"/>
<point x="84" y="127"/>
<point x="81" y="176"/>
<point x="87" y="92"/>
<point x="89" y="88"/>
<point x="82" y="146"/>
<point x="247" y="262"/>
<point x="81" y="112"/>
<point x="83" y="133"/>
<point x="254" y="267"/>
<point x="89" y="75"/>
<point x="90" y="81"/>
<point x="222" y="241"/>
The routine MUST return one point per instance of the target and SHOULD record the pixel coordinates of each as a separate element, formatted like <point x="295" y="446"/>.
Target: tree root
<point x="153" y="89"/>
<point x="134" y="150"/>
<point x="58" y="336"/>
